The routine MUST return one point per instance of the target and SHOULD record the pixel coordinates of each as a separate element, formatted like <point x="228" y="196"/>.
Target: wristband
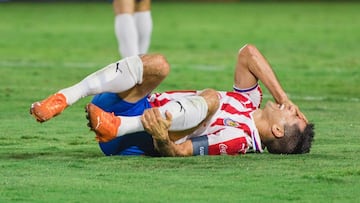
<point x="200" y="145"/>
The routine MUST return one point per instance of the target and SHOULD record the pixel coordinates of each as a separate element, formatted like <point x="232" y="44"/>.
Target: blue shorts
<point x="139" y="143"/>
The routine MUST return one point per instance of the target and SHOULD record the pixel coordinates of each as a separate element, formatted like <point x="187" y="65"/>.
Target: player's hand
<point x="298" y="112"/>
<point x="155" y="124"/>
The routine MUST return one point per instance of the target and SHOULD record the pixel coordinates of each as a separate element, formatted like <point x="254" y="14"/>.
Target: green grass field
<point x="313" y="47"/>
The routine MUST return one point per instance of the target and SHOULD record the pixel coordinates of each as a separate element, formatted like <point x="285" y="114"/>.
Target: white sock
<point x="116" y="77"/>
<point x="186" y="113"/>
<point x="144" y="25"/>
<point x="130" y="124"/>
<point x="126" y="34"/>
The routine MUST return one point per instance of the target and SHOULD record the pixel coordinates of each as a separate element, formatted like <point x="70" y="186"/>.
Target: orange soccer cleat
<point x="103" y="123"/>
<point x="48" y="108"/>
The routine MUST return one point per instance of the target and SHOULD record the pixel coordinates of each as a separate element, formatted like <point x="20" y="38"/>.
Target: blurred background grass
<point x="313" y="48"/>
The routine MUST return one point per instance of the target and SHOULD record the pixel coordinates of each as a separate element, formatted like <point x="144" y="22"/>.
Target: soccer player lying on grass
<point x="213" y="122"/>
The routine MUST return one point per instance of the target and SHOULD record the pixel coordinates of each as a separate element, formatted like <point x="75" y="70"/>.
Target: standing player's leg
<point x="125" y="27"/>
<point x="133" y="78"/>
<point x="144" y="24"/>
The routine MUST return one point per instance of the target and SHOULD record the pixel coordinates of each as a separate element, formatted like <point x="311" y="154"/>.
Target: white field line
<point x="318" y="98"/>
<point x="200" y="67"/>
<point x="195" y="66"/>
<point x="70" y="64"/>
<point x="48" y="64"/>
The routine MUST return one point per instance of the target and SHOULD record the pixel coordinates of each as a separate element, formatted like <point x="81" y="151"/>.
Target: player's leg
<point x="213" y="101"/>
<point x="155" y="70"/>
<point x="187" y="113"/>
<point x="133" y="78"/>
<point x="128" y="103"/>
<point x="125" y="27"/>
<point x="144" y="24"/>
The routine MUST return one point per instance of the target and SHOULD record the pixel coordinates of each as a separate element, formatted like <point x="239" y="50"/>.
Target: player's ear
<point x="277" y="130"/>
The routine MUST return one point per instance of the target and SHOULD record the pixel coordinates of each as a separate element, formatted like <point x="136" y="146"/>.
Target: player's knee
<point x="248" y="50"/>
<point x="164" y="66"/>
<point x="211" y="97"/>
<point x="155" y="65"/>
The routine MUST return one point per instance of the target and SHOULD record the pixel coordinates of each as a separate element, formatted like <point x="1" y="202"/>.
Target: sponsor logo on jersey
<point x="223" y="148"/>
<point x="242" y="150"/>
<point x="230" y="122"/>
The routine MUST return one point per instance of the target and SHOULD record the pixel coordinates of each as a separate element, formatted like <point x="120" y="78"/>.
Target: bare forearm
<point x="164" y="147"/>
<point x="266" y="75"/>
<point x="251" y="67"/>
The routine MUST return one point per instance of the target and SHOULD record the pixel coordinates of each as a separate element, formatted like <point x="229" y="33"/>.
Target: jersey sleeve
<point x="254" y="93"/>
<point x="230" y="141"/>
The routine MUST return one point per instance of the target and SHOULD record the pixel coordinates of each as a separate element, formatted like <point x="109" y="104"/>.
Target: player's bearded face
<point x="283" y="114"/>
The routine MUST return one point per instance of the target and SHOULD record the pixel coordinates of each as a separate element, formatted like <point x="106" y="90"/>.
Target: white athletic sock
<point x="130" y="124"/>
<point x="186" y="113"/>
<point x="144" y="25"/>
<point x="126" y="34"/>
<point x="116" y="77"/>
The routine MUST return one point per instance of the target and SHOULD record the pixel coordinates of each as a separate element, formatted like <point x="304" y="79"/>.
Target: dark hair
<point x="294" y="141"/>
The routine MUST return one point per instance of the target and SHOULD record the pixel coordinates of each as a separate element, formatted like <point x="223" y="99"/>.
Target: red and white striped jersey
<point x="232" y="129"/>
